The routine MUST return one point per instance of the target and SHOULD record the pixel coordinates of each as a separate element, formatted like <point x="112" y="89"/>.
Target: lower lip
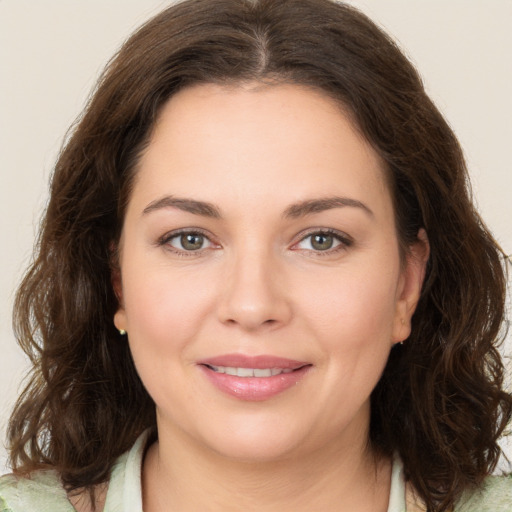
<point x="254" y="389"/>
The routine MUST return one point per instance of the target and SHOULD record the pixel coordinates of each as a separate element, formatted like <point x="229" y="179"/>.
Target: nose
<point x="254" y="293"/>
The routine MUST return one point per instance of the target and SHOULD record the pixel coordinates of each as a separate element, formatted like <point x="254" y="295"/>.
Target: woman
<point x="260" y="276"/>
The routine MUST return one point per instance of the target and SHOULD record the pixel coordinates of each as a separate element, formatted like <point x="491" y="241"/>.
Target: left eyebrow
<point x="311" y="206"/>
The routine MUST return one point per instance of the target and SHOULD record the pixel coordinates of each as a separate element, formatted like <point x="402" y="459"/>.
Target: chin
<point x="254" y="442"/>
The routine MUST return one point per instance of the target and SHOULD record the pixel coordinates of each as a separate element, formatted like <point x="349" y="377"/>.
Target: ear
<point x="120" y="320"/>
<point x="409" y="286"/>
<point x="117" y="285"/>
<point x="120" y="314"/>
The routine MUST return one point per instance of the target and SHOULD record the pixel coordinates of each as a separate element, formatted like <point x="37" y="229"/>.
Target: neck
<point x="187" y="477"/>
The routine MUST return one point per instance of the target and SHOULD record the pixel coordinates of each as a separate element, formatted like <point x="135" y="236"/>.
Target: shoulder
<point x="42" y="492"/>
<point x="494" y="496"/>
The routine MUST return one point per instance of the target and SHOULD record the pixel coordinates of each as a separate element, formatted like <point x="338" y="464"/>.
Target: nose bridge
<point x="253" y="292"/>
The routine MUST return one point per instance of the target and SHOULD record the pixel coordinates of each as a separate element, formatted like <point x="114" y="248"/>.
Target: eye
<point x="323" y="241"/>
<point x="189" y="241"/>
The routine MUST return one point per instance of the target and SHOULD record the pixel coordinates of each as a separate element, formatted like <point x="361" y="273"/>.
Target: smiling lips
<point x="253" y="378"/>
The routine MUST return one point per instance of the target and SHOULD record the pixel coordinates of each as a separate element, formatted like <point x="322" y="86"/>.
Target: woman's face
<point x="261" y="284"/>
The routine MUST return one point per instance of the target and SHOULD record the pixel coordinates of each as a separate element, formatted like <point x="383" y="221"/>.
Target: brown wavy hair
<point x="440" y="404"/>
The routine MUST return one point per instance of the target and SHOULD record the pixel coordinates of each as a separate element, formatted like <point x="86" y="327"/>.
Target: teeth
<point x="250" y="372"/>
<point x="263" y="372"/>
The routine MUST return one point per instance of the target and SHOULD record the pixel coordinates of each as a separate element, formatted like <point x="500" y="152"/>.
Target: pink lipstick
<point x="253" y="378"/>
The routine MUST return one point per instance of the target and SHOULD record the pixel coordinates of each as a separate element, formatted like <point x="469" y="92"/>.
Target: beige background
<point x="51" y="51"/>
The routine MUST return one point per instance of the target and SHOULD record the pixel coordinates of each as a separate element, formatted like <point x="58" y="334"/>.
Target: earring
<point x="403" y="323"/>
<point x="122" y="332"/>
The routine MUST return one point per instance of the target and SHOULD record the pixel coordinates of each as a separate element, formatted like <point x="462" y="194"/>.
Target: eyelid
<point x="165" y="239"/>
<point x="344" y="239"/>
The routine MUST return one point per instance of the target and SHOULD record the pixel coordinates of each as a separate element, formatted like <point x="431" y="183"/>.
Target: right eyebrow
<point x="187" y="205"/>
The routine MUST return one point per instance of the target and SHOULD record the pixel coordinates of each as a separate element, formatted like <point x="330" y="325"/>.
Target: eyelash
<point x="165" y="241"/>
<point x="344" y="241"/>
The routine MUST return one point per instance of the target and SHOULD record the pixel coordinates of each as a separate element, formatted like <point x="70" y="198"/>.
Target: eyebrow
<point x="312" y="206"/>
<point x="294" y="211"/>
<point x="187" y="205"/>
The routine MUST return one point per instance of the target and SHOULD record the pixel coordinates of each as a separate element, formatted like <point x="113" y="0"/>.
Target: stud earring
<point x="122" y="332"/>
<point x="403" y="323"/>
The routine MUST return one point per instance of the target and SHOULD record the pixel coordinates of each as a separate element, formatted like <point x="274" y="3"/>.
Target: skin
<point x="257" y="285"/>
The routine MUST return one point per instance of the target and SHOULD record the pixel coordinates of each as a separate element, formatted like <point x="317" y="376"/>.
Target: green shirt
<point x="43" y="492"/>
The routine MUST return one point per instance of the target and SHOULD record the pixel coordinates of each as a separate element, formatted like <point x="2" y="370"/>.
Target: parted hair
<point x="440" y="404"/>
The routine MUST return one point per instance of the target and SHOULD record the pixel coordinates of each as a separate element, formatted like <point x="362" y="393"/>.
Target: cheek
<point x="164" y="310"/>
<point x="352" y="321"/>
<point x="165" y="314"/>
<point x="353" y="308"/>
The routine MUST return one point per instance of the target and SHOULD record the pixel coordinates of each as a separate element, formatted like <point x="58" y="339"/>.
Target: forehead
<point x="256" y="141"/>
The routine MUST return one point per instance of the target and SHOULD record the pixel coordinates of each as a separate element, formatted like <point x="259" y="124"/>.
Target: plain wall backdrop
<point x="52" y="51"/>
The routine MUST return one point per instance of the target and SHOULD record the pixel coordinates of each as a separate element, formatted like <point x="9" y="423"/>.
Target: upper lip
<point x="258" y="362"/>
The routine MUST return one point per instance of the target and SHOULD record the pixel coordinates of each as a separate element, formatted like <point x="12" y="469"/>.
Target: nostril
<point x="269" y="322"/>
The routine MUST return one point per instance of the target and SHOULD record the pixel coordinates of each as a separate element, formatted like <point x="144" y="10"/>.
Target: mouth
<point x="253" y="378"/>
<point x="250" y="372"/>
